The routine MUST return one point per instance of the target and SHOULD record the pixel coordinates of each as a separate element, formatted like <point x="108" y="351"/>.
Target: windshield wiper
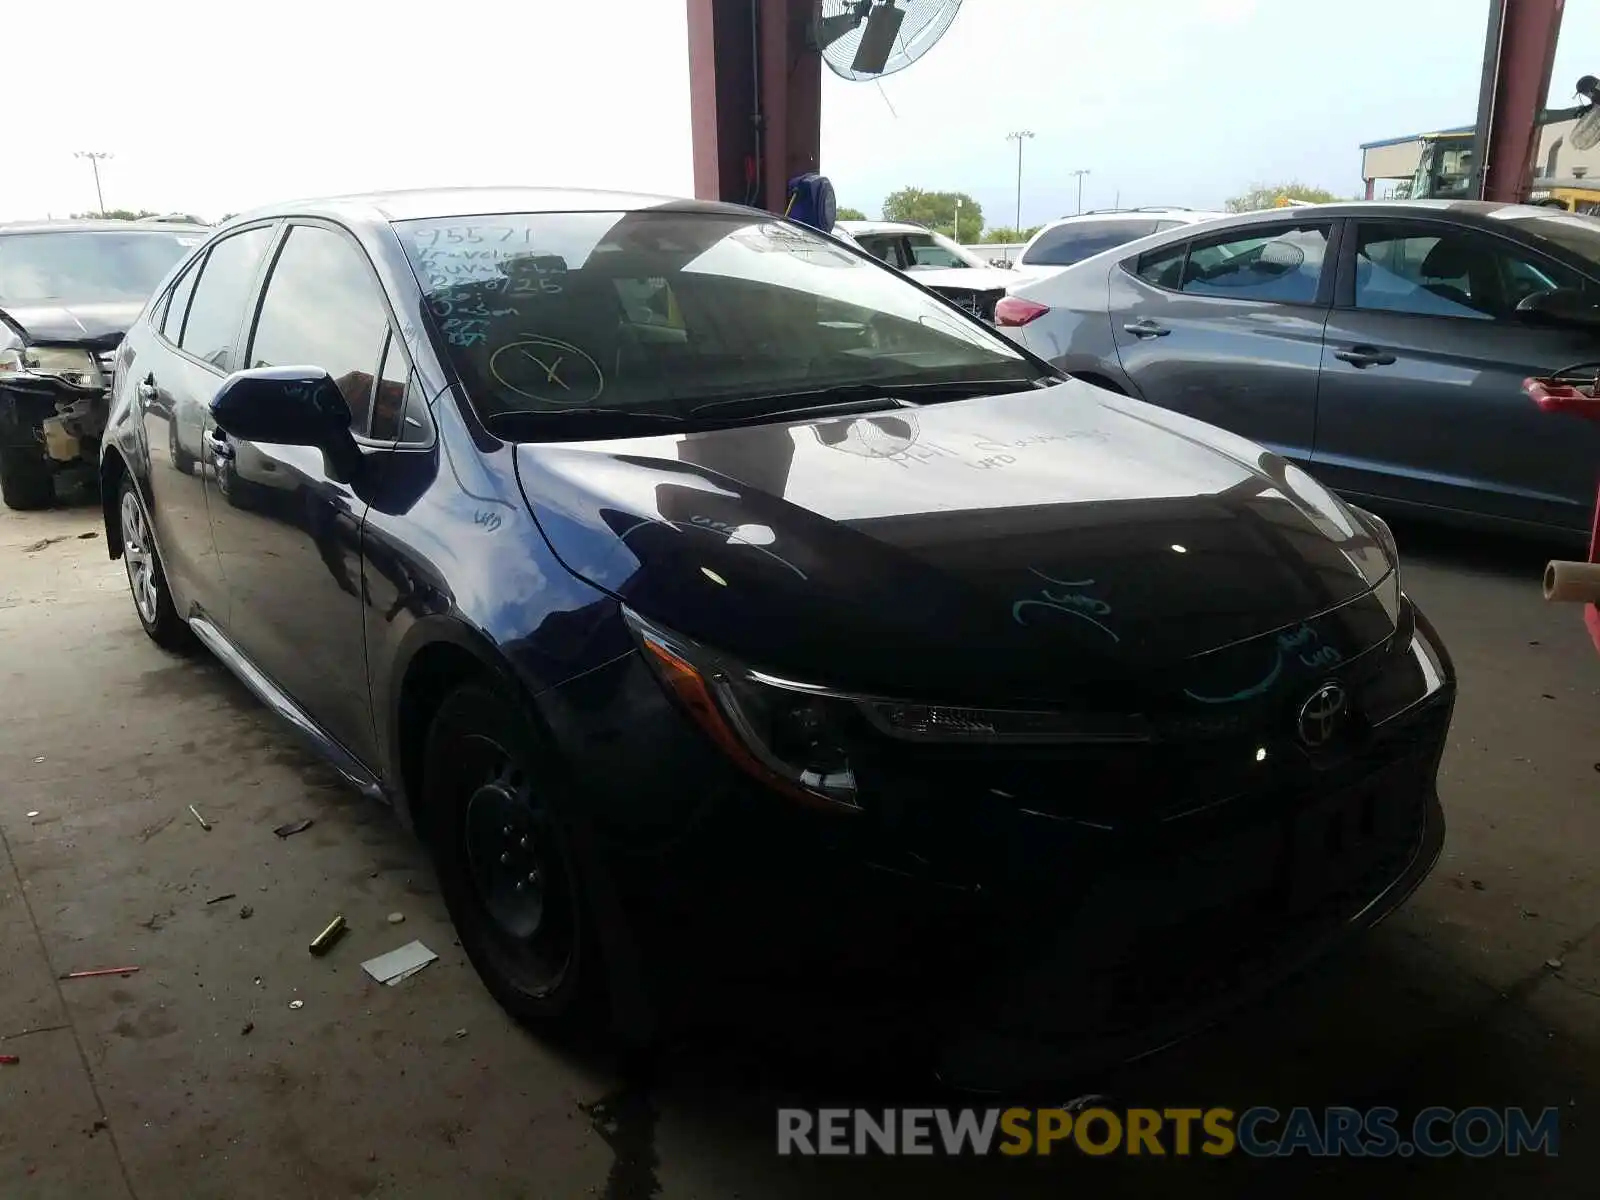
<point x="847" y="395"/>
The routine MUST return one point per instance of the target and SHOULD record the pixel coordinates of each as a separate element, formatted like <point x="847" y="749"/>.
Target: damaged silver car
<point x="69" y="290"/>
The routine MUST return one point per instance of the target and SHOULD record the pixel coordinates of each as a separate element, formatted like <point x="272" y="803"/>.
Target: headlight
<point x="798" y="737"/>
<point x="1379" y="528"/>
<point x="71" y="364"/>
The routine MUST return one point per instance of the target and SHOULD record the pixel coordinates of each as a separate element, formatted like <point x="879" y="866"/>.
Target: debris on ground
<point x="1477" y="885"/>
<point x="44" y="543"/>
<point x="97" y="972"/>
<point x="204" y="824"/>
<point x="9" y="1060"/>
<point x="294" y="827"/>
<point x="461" y="1033"/>
<point x="324" y="941"/>
<point x="40" y="759"/>
<point x="297" y="1004"/>
<point x="33" y="814"/>
<point x="396" y="917"/>
<point x="246" y="912"/>
<point x="1553" y="963"/>
<point x="399" y="965"/>
<point x="87" y="535"/>
<point x="224" y="896"/>
<point x="249" y="1027"/>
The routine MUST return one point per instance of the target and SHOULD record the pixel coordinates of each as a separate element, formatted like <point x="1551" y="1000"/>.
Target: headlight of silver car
<point x="71" y="364"/>
<point x="798" y="737"/>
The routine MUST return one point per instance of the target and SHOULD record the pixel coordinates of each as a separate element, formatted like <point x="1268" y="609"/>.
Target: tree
<point x="1006" y="235"/>
<point x="115" y="214"/>
<point x="850" y="214"/>
<point x="1262" y="195"/>
<point x="936" y="210"/>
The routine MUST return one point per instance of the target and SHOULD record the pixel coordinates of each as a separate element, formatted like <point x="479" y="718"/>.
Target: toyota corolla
<point x="719" y="604"/>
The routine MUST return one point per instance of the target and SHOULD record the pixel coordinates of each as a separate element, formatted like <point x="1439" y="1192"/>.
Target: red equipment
<point x="1575" y="391"/>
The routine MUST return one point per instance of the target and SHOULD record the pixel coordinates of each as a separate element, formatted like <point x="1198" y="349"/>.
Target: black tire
<point x="27" y="481"/>
<point x="487" y="771"/>
<point x="147" y="577"/>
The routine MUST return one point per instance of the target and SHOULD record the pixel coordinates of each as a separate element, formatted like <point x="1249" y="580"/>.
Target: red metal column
<point x="739" y="51"/>
<point x="1518" y="54"/>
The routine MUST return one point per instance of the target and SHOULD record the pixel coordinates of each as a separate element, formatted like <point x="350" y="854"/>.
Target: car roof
<point x="882" y="227"/>
<point x="1476" y="212"/>
<point x="100" y="226"/>
<point x="426" y="203"/>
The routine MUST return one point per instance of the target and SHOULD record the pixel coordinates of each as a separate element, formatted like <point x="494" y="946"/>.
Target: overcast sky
<point x="1164" y="101"/>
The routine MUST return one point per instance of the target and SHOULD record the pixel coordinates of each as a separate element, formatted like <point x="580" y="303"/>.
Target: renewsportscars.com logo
<point x="1259" y="1132"/>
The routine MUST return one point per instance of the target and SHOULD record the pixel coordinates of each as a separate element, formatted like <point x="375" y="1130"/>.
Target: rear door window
<point x="1280" y="264"/>
<point x="178" y="304"/>
<point x="1077" y="240"/>
<point x="218" y="304"/>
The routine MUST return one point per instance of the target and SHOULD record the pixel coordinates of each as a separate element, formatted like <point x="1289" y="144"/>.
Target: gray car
<point x="1382" y="345"/>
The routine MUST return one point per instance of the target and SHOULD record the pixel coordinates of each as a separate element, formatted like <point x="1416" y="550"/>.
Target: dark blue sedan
<point x="733" y="616"/>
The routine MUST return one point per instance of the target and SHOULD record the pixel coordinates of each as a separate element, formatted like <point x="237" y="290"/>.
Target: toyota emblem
<point x="1322" y="713"/>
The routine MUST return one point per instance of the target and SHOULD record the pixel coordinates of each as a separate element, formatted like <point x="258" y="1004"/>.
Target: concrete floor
<point x="195" y="1078"/>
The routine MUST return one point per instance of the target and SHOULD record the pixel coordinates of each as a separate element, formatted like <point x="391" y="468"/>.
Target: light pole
<point x="1019" y="135"/>
<point x="1080" y="173"/>
<point x="94" y="157"/>
<point x="955" y="235"/>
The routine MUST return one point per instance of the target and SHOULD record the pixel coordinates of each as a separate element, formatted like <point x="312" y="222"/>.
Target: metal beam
<point x="755" y="97"/>
<point x="1519" y="52"/>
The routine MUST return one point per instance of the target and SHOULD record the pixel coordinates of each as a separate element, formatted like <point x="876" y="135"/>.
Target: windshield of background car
<point x="934" y="250"/>
<point x="1578" y="235"/>
<point x="658" y="310"/>
<point x="1077" y="240"/>
<point x="88" y="266"/>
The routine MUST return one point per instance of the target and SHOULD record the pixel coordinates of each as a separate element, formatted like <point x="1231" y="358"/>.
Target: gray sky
<point x="208" y="107"/>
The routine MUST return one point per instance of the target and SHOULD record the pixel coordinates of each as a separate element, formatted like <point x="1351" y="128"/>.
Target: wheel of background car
<point x="504" y="846"/>
<point x="182" y="461"/>
<point x="27" y="481"/>
<point x="147" y="578"/>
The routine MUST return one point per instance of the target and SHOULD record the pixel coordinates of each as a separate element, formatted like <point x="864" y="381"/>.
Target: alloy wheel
<point x="138" y="556"/>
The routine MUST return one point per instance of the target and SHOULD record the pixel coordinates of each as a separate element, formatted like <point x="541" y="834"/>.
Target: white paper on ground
<point x="398" y="965"/>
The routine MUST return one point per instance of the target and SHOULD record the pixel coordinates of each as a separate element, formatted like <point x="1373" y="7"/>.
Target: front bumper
<point x="1004" y="944"/>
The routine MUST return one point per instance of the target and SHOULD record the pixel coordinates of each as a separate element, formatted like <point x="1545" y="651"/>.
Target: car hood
<point x="74" y="323"/>
<point x="978" y="279"/>
<point x="1058" y="544"/>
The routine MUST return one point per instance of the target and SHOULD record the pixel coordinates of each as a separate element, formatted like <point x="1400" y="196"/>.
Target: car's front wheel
<point x="147" y="578"/>
<point x="27" y="481"/>
<point x="507" y="860"/>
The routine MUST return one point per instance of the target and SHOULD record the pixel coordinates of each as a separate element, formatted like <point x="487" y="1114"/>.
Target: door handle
<point x="1365" y="356"/>
<point x="1146" y="329"/>
<point x="147" y="389"/>
<point x="219" y="443"/>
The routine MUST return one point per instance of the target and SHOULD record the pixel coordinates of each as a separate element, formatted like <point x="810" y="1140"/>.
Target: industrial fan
<point x="867" y="39"/>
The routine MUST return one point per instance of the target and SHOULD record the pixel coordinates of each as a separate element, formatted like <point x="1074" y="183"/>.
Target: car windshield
<point x="85" y="266"/>
<point x="1579" y="235"/>
<point x="659" y="311"/>
<point x="1072" y="242"/>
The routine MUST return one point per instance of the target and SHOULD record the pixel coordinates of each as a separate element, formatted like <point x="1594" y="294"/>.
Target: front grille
<point x="979" y="303"/>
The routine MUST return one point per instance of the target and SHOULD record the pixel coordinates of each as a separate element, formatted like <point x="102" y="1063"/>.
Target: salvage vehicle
<point x="68" y="291"/>
<point x="1381" y="345"/>
<point x="935" y="261"/>
<point x="796" y="637"/>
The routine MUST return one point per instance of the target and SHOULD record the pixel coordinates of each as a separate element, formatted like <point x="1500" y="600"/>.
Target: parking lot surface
<point x="198" y="1076"/>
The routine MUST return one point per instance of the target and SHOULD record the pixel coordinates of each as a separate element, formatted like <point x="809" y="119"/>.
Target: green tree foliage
<point x="850" y="214"/>
<point x="115" y="214"/>
<point x="1006" y="235"/>
<point x="1263" y="195"/>
<point x="936" y="210"/>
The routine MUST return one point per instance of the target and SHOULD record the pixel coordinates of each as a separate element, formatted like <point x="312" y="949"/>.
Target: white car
<point x="1070" y="240"/>
<point x="933" y="260"/>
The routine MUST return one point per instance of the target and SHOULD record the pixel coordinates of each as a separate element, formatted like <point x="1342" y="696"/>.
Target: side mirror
<point x="289" y="406"/>
<point x="1560" y="306"/>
